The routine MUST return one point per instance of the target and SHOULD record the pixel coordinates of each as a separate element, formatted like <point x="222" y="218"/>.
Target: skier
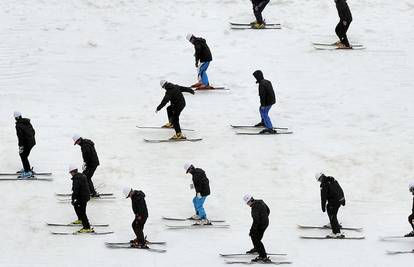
<point x="258" y="7"/>
<point x="202" y="61"/>
<point x="90" y="159"/>
<point x="174" y="95"/>
<point x="267" y="100"/>
<point x="345" y="19"/>
<point x="80" y="198"/>
<point x="260" y="214"/>
<point x="332" y="193"/>
<point x="202" y="188"/>
<point x="140" y="210"/>
<point x="26" y="137"/>
<point x="411" y="217"/>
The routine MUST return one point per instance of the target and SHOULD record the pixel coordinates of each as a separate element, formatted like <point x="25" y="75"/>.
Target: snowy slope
<point x="93" y="67"/>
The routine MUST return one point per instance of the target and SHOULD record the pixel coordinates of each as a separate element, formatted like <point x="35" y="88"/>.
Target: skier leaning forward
<point x="203" y="58"/>
<point x="26" y="137"/>
<point x="174" y="95"/>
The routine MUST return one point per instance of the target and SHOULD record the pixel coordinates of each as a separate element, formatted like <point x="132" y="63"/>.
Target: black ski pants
<point x="24" y="156"/>
<point x="258" y="9"/>
<point x="173" y="113"/>
<point x="332" y="210"/>
<point x="138" y="227"/>
<point x="410" y="220"/>
<point x="256" y="236"/>
<point x="80" y="209"/>
<point x="345" y="19"/>
<point x="89" y="172"/>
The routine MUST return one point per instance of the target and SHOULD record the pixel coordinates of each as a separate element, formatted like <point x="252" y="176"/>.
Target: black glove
<point x="343" y="202"/>
<point x="192" y="91"/>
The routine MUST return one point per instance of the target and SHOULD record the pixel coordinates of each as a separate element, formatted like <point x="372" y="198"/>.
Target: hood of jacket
<point x="258" y="74"/>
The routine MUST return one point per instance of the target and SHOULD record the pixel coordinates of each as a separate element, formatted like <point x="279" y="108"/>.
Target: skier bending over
<point x="174" y="95"/>
<point x="202" y="61"/>
<point x="345" y="19"/>
<point x="139" y="207"/>
<point x="26" y="137"/>
<point x="90" y="160"/>
<point x="258" y="7"/>
<point x="80" y="198"/>
<point x="202" y="188"/>
<point x="267" y="100"/>
<point x="260" y="214"/>
<point x="332" y="197"/>
<point x="411" y="217"/>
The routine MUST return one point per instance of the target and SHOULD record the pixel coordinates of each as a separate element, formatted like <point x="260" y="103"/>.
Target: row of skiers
<point x="345" y="19"/>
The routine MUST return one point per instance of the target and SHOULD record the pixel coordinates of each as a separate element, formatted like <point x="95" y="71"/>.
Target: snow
<point x="93" y="67"/>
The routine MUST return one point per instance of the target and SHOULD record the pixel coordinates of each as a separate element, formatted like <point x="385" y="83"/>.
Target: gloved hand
<point x="156" y="111"/>
<point x="199" y="195"/>
<point x="323" y="209"/>
<point x="196" y="64"/>
<point x="21" y="149"/>
<point x="84" y="166"/>
<point x="192" y="92"/>
<point x="343" y="203"/>
<point x="191" y="186"/>
<point x="73" y="202"/>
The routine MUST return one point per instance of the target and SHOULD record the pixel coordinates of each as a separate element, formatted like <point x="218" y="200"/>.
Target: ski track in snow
<point x="93" y="67"/>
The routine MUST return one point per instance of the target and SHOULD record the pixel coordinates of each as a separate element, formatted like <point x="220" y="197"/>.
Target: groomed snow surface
<point x="93" y="67"/>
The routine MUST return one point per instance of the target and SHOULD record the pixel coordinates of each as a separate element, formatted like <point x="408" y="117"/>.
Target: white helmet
<point x="411" y="186"/>
<point x="247" y="198"/>
<point x="75" y="138"/>
<point x="187" y="166"/>
<point x="17" y="114"/>
<point x="72" y="167"/>
<point x="162" y="83"/>
<point x="189" y="36"/>
<point x="318" y="176"/>
<point x="126" y="191"/>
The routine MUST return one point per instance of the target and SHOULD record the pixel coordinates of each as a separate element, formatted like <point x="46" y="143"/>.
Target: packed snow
<point x="93" y="67"/>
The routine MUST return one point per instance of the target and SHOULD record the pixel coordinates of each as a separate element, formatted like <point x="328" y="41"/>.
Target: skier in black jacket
<point x="260" y="214"/>
<point x="267" y="100"/>
<point x="258" y="7"/>
<point x="26" y="140"/>
<point x="174" y="95"/>
<point x="345" y="19"/>
<point x="139" y="207"/>
<point x="411" y="217"/>
<point x="80" y="198"/>
<point x="202" y="61"/>
<point x="90" y="159"/>
<point x="202" y="188"/>
<point x="332" y="197"/>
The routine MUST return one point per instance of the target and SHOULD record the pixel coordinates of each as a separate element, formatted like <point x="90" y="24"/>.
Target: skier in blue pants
<point x="203" y="58"/>
<point x="267" y="100"/>
<point x="202" y="188"/>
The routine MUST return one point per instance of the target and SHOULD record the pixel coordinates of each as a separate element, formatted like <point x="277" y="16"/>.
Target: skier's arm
<point x="75" y="191"/>
<point x="187" y="90"/>
<point x="20" y="135"/>
<point x="323" y="198"/>
<point x="87" y="154"/>
<point x="262" y="94"/>
<point x="413" y="207"/>
<point x="164" y="101"/>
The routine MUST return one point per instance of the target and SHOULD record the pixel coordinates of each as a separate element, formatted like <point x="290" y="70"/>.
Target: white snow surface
<point x="93" y="67"/>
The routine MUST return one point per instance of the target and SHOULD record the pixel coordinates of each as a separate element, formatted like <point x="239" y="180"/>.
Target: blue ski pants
<point x="264" y="113"/>
<point x="202" y="72"/>
<point x="198" y="206"/>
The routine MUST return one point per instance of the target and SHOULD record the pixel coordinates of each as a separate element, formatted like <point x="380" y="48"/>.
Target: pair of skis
<point x="127" y="245"/>
<point x="279" y="130"/>
<point x="78" y="225"/>
<point x="245" y="262"/>
<point x="358" y="229"/>
<point x="248" y="26"/>
<point x="397" y="237"/>
<point x="334" y="46"/>
<point x="37" y="176"/>
<point x="167" y="140"/>
<point x="215" y="224"/>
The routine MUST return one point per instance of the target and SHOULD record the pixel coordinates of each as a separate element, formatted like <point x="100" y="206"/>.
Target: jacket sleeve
<point x="164" y="101"/>
<point x="262" y="94"/>
<point x="87" y="154"/>
<point x="197" y="52"/>
<point x="197" y="183"/>
<point x="413" y="207"/>
<point x="20" y="135"/>
<point x="323" y="197"/>
<point x="139" y="207"/>
<point x="75" y="190"/>
<point x="186" y="89"/>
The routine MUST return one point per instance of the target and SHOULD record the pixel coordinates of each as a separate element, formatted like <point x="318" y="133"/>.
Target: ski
<point x="33" y="178"/>
<point x="198" y="226"/>
<point x="251" y="262"/>
<point x="257" y="127"/>
<point x="188" y="219"/>
<point x="394" y="252"/>
<point x="326" y="237"/>
<point x="333" y="44"/>
<point x="70" y="194"/>
<point x="161" y="128"/>
<point x="248" y="27"/>
<point x="325" y="227"/>
<point x="34" y="173"/>
<point x="212" y="88"/>
<point x="93" y="199"/>
<point x="248" y="24"/>
<point x="77" y="233"/>
<point x="246" y="254"/>
<point x="79" y="225"/>
<point x="128" y="246"/>
<point x="245" y="133"/>
<point x="394" y="237"/>
<point x="172" y="140"/>
<point x="128" y="243"/>
<point x="327" y="47"/>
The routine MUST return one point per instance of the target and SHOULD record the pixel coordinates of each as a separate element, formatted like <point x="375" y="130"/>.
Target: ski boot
<point x="204" y="87"/>
<point x="203" y="222"/>
<point x="329" y="226"/>
<point x="337" y="236"/>
<point x="410" y="234"/>
<point x="252" y="251"/>
<point x="25" y="175"/>
<point x="258" y="26"/>
<point x="261" y="259"/>
<point x="197" y="84"/>
<point x="137" y="244"/>
<point x="178" y="136"/>
<point x="86" y="230"/>
<point x="343" y="46"/>
<point x="167" y="125"/>
<point x="76" y="222"/>
<point x="195" y="217"/>
<point x="95" y="195"/>
<point x="268" y="131"/>
<point x="260" y="124"/>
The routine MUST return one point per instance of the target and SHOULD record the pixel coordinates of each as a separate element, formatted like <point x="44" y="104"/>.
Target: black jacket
<point x="89" y="153"/>
<point x="343" y="10"/>
<point x="202" y="51"/>
<point x="25" y="132"/>
<point x="200" y="181"/>
<point x="412" y="210"/>
<point x="331" y="192"/>
<point x="174" y="94"/>
<point x="260" y="215"/>
<point x="80" y="188"/>
<point x="256" y="2"/>
<point x="139" y="206"/>
<point x="266" y="93"/>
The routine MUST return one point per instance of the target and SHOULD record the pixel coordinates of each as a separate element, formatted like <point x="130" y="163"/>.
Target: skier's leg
<point x="138" y="227"/>
<point x="176" y="120"/>
<point x="77" y="211"/>
<point x="411" y="220"/>
<point x="25" y="160"/>
<point x="200" y="209"/>
<point x="170" y="112"/>
<point x="203" y="73"/>
<point x="195" y="204"/>
<point x="345" y="29"/>
<point x="339" y="30"/>
<point x="264" y="112"/>
<point x="83" y="217"/>
<point x="332" y="213"/>
<point x="256" y="237"/>
<point x="89" y="172"/>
